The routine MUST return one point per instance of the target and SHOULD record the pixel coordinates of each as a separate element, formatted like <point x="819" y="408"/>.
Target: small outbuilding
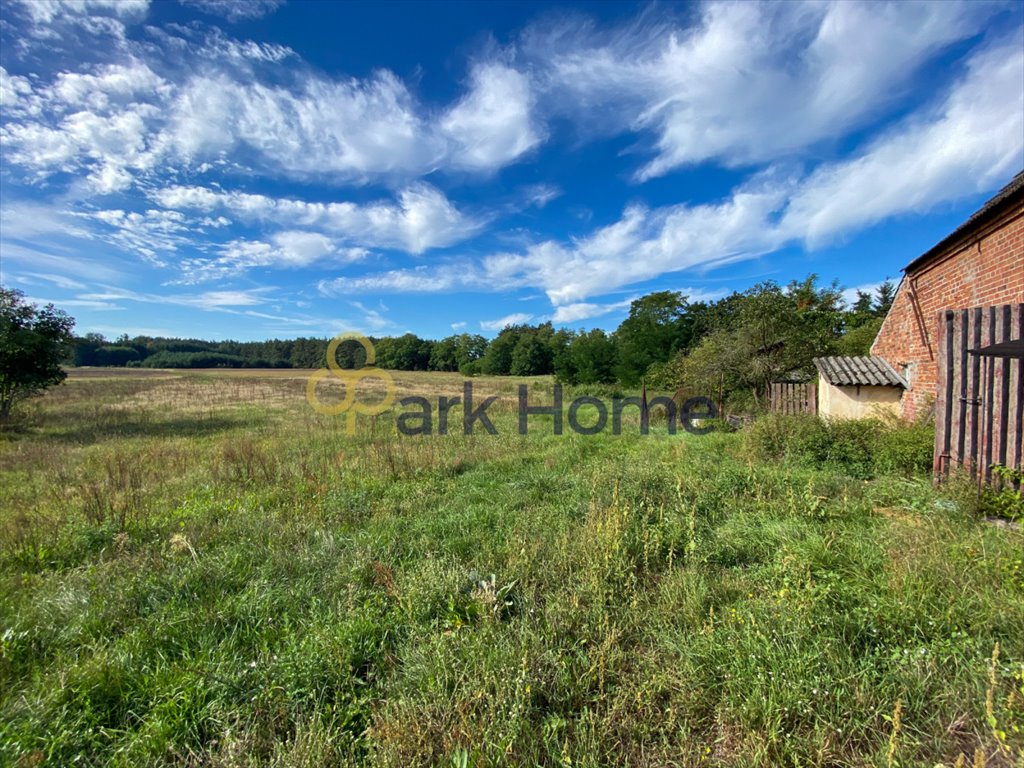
<point x="857" y="387"/>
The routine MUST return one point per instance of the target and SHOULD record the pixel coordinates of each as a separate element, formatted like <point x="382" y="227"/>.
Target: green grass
<point x="200" y="570"/>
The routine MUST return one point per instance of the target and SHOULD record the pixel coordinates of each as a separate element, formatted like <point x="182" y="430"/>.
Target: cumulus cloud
<point x="94" y="123"/>
<point x="16" y="94"/>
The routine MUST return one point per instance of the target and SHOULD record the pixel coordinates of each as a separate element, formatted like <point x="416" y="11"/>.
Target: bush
<point x="905" y="448"/>
<point x="860" y="448"/>
<point x="1004" y="501"/>
<point x="776" y="437"/>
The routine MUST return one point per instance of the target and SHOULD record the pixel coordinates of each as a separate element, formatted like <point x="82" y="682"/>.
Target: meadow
<point x="200" y="570"/>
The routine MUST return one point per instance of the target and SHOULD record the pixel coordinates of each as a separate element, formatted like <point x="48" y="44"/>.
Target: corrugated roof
<point x="851" y="371"/>
<point x="1011" y="194"/>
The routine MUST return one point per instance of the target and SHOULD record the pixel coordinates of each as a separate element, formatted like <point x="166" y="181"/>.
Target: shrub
<point x="860" y="448"/>
<point x="775" y="437"/>
<point x="849" y="445"/>
<point x="1005" y="501"/>
<point x="905" y="448"/>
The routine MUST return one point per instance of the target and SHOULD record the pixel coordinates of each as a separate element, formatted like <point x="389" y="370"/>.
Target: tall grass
<point x="244" y="584"/>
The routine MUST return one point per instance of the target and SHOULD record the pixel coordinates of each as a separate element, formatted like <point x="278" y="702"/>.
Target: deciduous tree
<point x="33" y="342"/>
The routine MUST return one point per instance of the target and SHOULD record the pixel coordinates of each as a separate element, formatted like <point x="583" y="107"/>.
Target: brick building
<point x="981" y="263"/>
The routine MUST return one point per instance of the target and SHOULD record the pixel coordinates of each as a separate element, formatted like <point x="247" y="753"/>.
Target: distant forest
<point x="736" y="344"/>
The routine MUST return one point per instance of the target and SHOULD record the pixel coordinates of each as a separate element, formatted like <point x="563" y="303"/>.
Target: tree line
<point x="734" y="345"/>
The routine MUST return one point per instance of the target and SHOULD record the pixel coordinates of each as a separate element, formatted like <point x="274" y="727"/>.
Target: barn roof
<point x="1011" y="194"/>
<point x="851" y="371"/>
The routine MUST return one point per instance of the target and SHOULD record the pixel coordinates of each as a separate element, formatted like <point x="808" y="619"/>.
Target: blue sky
<point x="227" y="169"/>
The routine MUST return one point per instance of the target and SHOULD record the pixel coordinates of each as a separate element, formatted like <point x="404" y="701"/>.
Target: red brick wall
<point x="972" y="273"/>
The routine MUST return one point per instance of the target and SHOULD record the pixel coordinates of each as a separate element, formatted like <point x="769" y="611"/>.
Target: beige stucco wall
<point x="856" y="402"/>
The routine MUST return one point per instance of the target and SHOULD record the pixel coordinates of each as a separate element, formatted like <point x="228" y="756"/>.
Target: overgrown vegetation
<point x="199" y="570"/>
<point x="1003" y="499"/>
<point x="861" y="448"/>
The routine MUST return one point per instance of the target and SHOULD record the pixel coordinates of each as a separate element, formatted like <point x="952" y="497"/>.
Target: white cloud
<point x="373" y="319"/>
<point x="99" y="306"/>
<point x="108" y="84"/>
<point x="967" y="145"/>
<point x="82" y="21"/>
<point x="236" y="104"/>
<point x="152" y="234"/>
<point x="16" y="94"/>
<point x="207" y="300"/>
<point x="970" y="142"/>
<point x="492" y="125"/>
<point x="236" y="10"/>
<point x="97" y="123"/>
<point x="350" y="129"/>
<point x="751" y="82"/>
<point x="571" y="313"/>
<point x="290" y="249"/>
<point x="43" y="257"/>
<point x="224" y="299"/>
<point x="421" y="219"/>
<point x="303" y="248"/>
<point x="746" y="84"/>
<point x="539" y="195"/>
<point x="58" y="280"/>
<point x="516" y="318"/>
<point x="31" y="221"/>
<point x="421" y="279"/>
<point x="644" y="244"/>
<point x="46" y="11"/>
<point x="458" y="326"/>
<point x="850" y="294"/>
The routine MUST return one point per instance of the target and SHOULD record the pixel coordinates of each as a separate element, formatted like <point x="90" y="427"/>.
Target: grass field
<point x="198" y="569"/>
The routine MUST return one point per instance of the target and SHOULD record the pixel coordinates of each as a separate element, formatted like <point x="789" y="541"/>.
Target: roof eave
<point x="994" y="207"/>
